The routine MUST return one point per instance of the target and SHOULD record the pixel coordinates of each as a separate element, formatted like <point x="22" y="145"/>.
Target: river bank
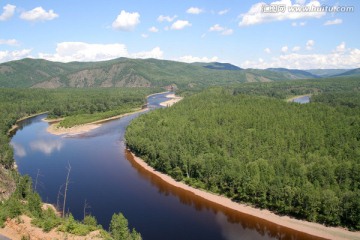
<point x="310" y="228"/>
<point x="79" y="129"/>
<point x="173" y="99"/>
<point x="16" y="126"/>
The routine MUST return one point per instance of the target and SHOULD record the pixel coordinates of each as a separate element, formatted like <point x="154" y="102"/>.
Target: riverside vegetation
<point x="249" y="144"/>
<point x="19" y="198"/>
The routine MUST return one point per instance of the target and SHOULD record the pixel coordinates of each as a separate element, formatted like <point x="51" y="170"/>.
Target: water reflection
<point x="19" y="150"/>
<point x="46" y="146"/>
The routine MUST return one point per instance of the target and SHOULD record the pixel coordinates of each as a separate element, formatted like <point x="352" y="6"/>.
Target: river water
<point x="104" y="175"/>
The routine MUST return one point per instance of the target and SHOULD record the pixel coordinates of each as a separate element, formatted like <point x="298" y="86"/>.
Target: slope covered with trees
<point x="295" y="159"/>
<point x="19" y="198"/>
<point x="124" y="72"/>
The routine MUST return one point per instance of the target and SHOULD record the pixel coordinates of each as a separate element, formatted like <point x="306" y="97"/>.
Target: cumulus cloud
<point x="180" y="24"/>
<point x="223" y="12"/>
<point x="153" y="29"/>
<point x="267" y="50"/>
<point x="340" y="57"/>
<point x="333" y="22"/>
<point x="310" y="44"/>
<point x="284" y="49"/>
<point x="84" y="52"/>
<point x="301" y="24"/>
<point x="227" y="32"/>
<point x="8" y="12"/>
<point x="38" y="14"/>
<point x="340" y="48"/>
<point x="194" y="10"/>
<point x="154" y="53"/>
<point x="80" y="51"/>
<point x="162" y="18"/>
<point x="191" y="59"/>
<point x="10" y="42"/>
<point x="258" y="15"/>
<point x="6" y="56"/>
<point x="126" y="21"/>
<point x="296" y="49"/>
<point x="216" y="28"/>
<point x="223" y="30"/>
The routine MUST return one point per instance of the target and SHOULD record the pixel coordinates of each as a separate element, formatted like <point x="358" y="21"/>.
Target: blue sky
<point x="239" y="32"/>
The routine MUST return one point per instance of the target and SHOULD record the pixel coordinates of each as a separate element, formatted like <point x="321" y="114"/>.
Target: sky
<point x="299" y="34"/>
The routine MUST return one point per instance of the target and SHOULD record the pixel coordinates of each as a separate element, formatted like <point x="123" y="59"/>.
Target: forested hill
<point x="124" y="72"/>
<point x="296" y="159"/>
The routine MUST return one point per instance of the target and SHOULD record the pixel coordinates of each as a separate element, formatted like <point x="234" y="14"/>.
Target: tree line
<point x="295" y="159"/>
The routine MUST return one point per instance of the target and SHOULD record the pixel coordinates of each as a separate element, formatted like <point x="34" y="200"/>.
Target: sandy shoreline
<point x="173" y="99"/>
<point x="313" y="229"/>
<point x="79" y="129"/>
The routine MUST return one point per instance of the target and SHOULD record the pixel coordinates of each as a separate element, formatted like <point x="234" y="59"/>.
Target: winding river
<point x="104" y="175"/>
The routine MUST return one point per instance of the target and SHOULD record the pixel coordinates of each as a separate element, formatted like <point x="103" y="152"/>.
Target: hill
<point x="294" y="73"/>
<point x="350" y="73"/>
<point x="218" y="66"/>
<point x="326" y="72"/>
<point x="124" y="72"/>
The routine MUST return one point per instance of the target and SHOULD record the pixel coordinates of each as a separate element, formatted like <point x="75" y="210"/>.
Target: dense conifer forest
<point x="248" y="143"/>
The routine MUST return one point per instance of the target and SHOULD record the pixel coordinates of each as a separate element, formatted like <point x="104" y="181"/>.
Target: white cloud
<point x="257" y="13"/>
<point x="153" y="29"/>
<point x="6" y="56"/>
<point x="38" y="14"/>
<point x="333" y="22"/>
<point x="267" y="50"/>
<point x="310" y="44"/>
<point x="191" y="59"/>
<point x="296" y="49"/>
<point x="216" y="28"/>
<point x="194" y="10"/>
<point x="340" y="57"/>
<point x="227" y="32"/>
<point x="295" y="24"/>
<point x="284" y="49"/>
<point x="126" y="21"/>
<point x="84" y="52"/>
<point x="180" y="24"/>
<point x="80" y="51"/>
<point x="223" y="30"/>
<point x="154" y="53"/>
<point x="10" y="42"/>
<point x="144" y="35"/>
<point x="162" y="18"/>
<point x="8" y="12"/>
<point x="340" y="48"/>
<point x="223" y="12"/>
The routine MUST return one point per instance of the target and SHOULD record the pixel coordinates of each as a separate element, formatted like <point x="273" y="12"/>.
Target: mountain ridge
<point x="127" y="72"/>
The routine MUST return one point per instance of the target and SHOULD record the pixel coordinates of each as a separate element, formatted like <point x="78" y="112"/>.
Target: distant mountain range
<point x="125" y="72"/>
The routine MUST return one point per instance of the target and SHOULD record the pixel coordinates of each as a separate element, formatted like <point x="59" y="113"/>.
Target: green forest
<point x="89" y="104"/>
<point x="248" y="143"/>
